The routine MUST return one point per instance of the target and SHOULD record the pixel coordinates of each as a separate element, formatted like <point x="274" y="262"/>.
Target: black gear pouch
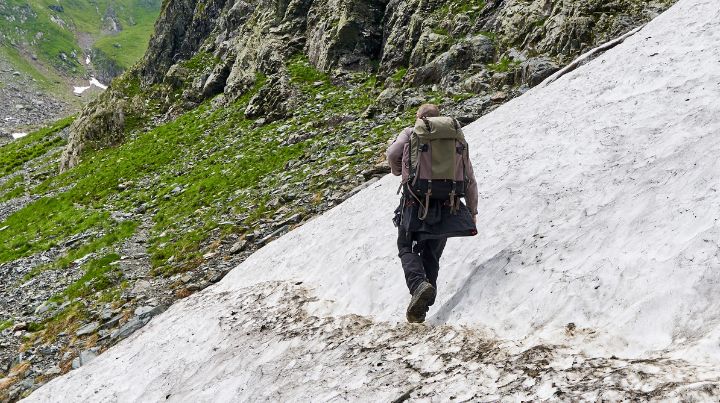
<point x="397" y="218"/>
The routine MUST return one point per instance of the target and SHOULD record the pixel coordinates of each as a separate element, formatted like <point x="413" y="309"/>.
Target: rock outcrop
<point x="476" y="49"/>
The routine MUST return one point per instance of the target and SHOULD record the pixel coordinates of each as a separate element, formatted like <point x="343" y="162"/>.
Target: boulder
<point x="344" y="33"/>
<point x="273" y="101"/>
<point x="85" y="357"/>
<point x="87" y="329"/>
<point x="474" y="50"/>
<point x="533" y="71"/>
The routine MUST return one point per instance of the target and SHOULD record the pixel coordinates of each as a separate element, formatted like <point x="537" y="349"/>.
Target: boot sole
<point x="418" y="303"/>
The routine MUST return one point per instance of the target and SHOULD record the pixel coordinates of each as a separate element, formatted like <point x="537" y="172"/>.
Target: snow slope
<point x="600" y="201"/>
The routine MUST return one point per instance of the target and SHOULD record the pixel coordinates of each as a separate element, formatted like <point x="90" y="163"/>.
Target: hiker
<point x="432" y="158"/>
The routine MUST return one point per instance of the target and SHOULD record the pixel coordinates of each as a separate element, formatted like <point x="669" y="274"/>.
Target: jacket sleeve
<point x="395" y="153"/>
<point x="471" y="192"/>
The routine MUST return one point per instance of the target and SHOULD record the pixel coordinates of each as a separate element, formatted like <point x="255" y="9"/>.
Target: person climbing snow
<point x="432" y="158"/>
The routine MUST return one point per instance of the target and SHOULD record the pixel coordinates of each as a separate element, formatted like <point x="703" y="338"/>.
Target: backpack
<point x="437" y="155"/>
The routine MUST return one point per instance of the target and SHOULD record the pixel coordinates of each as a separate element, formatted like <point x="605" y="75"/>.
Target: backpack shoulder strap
<point x="427" y="124"/>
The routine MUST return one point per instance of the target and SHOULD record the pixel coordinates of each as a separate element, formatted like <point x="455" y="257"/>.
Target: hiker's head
<point x="427" y="111"/>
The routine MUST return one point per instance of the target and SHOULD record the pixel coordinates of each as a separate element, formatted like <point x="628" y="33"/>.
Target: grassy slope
<point x="29" y="26"/>
<point x="16" y="153"/>
<point x="130" y="44"/>
<point x="210" y="171"/>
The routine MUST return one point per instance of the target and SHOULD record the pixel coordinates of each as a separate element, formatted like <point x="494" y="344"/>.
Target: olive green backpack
<point x="437" y="161"/>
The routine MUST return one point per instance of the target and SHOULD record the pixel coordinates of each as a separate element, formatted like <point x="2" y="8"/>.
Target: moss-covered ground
<point x="210" y="171"/>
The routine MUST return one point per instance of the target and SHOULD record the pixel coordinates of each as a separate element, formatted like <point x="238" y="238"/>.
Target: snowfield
<point x="596" y="274"/>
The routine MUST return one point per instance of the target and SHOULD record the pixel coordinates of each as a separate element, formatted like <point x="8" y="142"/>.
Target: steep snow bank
<point x="600" y="200"/>
<point x="599" y="207"/>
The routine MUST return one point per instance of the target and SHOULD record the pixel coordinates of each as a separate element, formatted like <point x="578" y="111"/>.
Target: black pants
<point x="421" y="261"/>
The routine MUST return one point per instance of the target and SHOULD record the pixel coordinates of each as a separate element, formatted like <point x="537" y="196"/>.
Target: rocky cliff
<point x="476" y="54"/>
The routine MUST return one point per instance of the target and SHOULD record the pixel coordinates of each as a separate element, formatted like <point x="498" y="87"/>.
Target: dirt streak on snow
<point x="599" y="207"/>
<point x="260" y="344"/>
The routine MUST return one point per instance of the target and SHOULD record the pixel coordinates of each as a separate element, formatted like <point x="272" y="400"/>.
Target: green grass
<point x="399" y="75"/>
<point x="471" y="7"/>
<point x="14" y="154"/>
<point x="128" y="46"/>
<point x="55" y="43"/>
<point x="100" y="274"/>
<point x="224" y="164"/>
<point x="303" y="73"/>
<point x="65" y="321"/>
<point x="200" y="61"/>
<point x="488" y="34"/>
<point x="12" y="188"/>
<point x="113" y="236"/>
<point x="46" y="79"/>
<point x="6" y="324"/>
<point x="43" y="224"/>
<point x="503" y="65"/>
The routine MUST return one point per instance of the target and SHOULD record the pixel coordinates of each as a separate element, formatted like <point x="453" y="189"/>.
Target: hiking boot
<point x="419" y="303"/>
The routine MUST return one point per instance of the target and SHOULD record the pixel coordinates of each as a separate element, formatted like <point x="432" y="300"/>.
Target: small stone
<point x="128" y="328"/>
<point x="141" y="286"/>
<point x="143" y="310"/>
<point x="125" y="185"/>
<point x="112" y="322"/>
<point x="106" y="314"/>
<point x="215" y="277"/>
<point x="148" y="311"/>
<point x="87" y="329"/>
<point x="238" y="246"/>
<point x="84" y="358"/>
<point x="499" y="96"/>
<point x="52" y="371"/>
<point x="44" y="307"/>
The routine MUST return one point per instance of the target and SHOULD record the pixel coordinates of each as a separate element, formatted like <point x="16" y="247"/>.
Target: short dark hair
<point x="428" y="111"/>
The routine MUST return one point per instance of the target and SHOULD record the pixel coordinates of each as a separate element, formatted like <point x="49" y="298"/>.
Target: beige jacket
<point x="397" y="156"/>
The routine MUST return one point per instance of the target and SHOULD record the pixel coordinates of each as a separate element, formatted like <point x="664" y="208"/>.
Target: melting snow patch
<point x="80" y="90"/>
<point x="18" y="135"/>
<point x="93" y="81"/>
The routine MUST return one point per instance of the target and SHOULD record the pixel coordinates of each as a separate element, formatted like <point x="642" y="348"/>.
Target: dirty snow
<point x="93" y="82"/>
<point x="595" y="275"/>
